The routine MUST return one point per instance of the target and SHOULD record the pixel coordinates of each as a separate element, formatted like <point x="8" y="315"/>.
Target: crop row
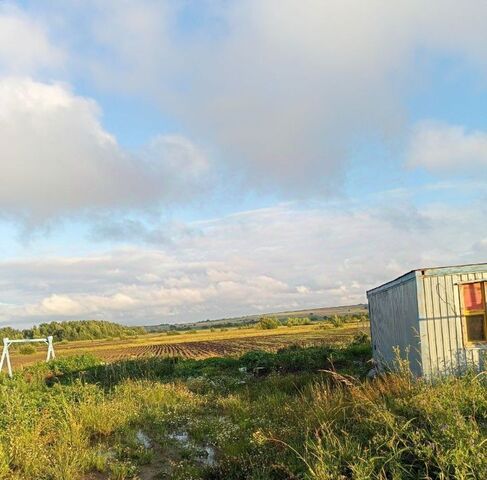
<point x="210" y="348"/>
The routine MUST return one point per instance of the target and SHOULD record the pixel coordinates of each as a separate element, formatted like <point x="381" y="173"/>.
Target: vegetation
<point x="294" y="321"/>
<point x="27" y="349"/>
<point x="269" y="323"/>
<point x="101" y="329"/>
<point x="74" y="330"/>
<point x="337" y="321"/>
<point x="352" y="312"/>
<point x="298" y="413"/>
<point x="10" y="332"/>
<point x="206" y="343"/>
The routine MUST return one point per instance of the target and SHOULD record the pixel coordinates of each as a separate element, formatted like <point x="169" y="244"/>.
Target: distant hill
<point x="313" y="313"/>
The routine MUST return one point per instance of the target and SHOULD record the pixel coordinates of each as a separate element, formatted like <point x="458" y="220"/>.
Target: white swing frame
<point x="6" y="355"/>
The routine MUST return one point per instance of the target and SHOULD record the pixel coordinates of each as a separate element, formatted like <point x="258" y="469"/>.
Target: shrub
<point x="268" y="323"/>
<point x="27" y="349"/>
<point x="294" y="321"/>
<point x="337" y="321"/>
<point x="258" y="358"/>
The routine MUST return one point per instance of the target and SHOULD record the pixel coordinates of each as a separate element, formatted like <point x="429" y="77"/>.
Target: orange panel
<point x="472" y="296"/>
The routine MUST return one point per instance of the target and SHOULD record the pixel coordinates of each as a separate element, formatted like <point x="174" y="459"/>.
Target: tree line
<point x="73" y="330"/>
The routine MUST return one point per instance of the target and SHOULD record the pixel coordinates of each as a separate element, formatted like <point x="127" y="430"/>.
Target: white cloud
<point x="25" y="46"/>
<point x="281" y="89"/>
<point x="57" y="159"/>
<point x="60" y="305"/>
<point x="443" y="148"/>
<point x="258" y="261"/>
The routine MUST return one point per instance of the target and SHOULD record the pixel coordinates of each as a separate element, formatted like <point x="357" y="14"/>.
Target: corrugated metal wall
<point x="394" y="322"/>
<point x="440" y="322"/>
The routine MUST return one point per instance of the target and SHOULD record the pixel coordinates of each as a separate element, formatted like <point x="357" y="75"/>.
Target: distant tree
<point x="73" y="330"/>
<point x="268" y="323"/>
<point x="10" y="332"/>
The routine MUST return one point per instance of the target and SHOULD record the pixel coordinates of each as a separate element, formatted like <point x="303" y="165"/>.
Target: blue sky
<point x="174" y="161"/>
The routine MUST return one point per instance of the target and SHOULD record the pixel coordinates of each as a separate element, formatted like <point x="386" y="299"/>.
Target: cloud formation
<point x="57" y="159"/>
<point x="283" y="90"/>
<point x="25" y="47"/>
<point x="446" y="149"/>
<point x="235" y="265"/>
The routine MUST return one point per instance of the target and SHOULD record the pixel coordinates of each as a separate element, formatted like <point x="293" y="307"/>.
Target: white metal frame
<point x="6" y="355"/>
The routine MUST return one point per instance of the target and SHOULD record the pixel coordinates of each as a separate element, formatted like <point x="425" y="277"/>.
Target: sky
<point x="175" y="160"/>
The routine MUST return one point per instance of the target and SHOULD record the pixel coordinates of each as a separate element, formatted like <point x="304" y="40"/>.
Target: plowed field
<point x="202" y="344"/>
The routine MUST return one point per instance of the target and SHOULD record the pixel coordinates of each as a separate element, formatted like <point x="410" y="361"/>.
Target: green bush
<point x="27" y="349"/>
<point x="268" y="323"/>
<point x="295" y="321"/>
<point x="258" y="359"/>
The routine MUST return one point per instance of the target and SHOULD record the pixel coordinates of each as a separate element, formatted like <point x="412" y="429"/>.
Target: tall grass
<point x="393" y="427"/>
<point x="310" y="415"/>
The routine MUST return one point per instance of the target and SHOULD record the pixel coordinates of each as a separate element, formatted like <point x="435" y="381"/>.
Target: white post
<point x="50" y="349"/>
<point x="6" y="357"/>
<point x="4" y="352"/>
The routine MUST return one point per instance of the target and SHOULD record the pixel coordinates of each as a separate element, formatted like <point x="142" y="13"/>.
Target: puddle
<point x="207" y="452"/>
<point x="181" y="437"/>
<point x="209" y="460"/>
<point x="143" y="439"/>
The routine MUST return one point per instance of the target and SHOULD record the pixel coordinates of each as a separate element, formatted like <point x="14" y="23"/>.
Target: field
<point x="200" y="344"/>
<point x="287" y="404"/>
<point x="316" y="313"/>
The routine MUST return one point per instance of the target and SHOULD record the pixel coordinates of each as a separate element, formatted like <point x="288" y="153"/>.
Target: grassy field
<point x="199" y="343"/>
<point x="299" y="412"/>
